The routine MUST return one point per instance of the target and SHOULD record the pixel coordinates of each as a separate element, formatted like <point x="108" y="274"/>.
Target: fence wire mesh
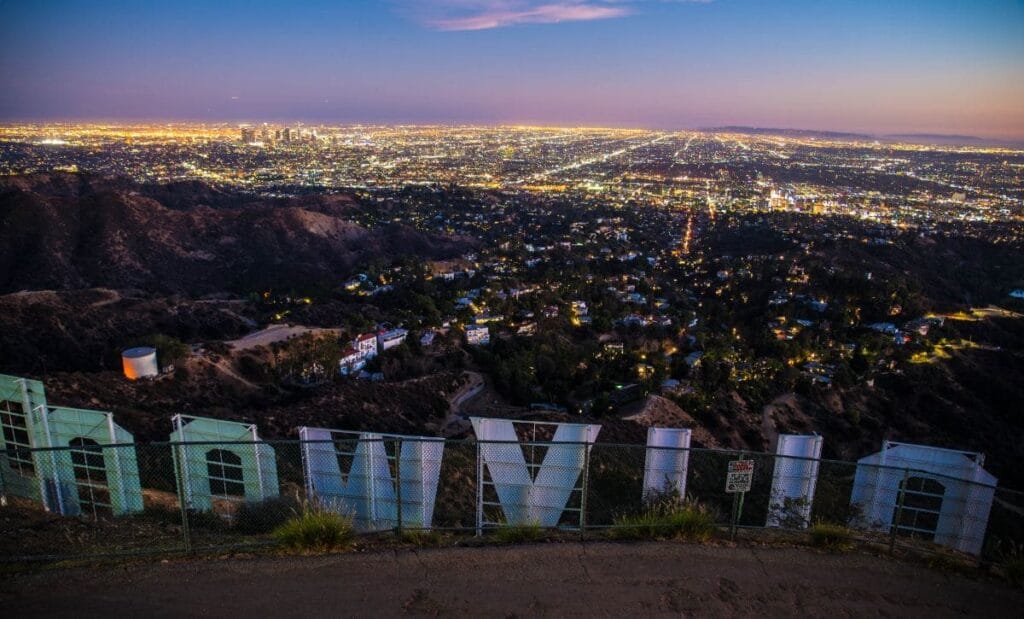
<point x="90" y="499"/>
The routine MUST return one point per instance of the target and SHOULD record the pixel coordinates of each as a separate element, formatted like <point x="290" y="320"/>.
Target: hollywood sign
<point x="76" y="461"/>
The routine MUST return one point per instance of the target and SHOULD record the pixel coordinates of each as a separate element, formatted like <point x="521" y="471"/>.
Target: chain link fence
<point x="89" y="499"/>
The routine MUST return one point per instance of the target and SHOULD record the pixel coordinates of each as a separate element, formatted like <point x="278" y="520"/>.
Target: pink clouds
<point x="542" y="14"/>
<point x="456" y="15"/>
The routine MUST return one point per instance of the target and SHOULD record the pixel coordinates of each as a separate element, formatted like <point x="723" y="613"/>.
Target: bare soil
<point x="569" y="579"/>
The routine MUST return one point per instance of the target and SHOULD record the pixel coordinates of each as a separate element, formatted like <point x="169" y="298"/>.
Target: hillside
<point x="211" y="386"/>
<point x="83" y="330"/>
<point x="67" y="231"/>
<point x="89" y="267"/>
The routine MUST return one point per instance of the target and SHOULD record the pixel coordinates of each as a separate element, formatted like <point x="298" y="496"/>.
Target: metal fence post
<point x="583" y="489"/>
<point x="899" y="512"/>
<point x="179" y="473"/>
<point x="398" y="482"/>
<point x="3" y="481"/>
<point x="479" y="491"/>
<point x="737" y="507"/>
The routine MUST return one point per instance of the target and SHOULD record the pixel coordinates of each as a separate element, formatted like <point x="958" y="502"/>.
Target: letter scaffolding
<point x="221" y="463"/>
<point x="523" y="482"/>
<point x="369" y="476"/>
<point x="75" y="461"/>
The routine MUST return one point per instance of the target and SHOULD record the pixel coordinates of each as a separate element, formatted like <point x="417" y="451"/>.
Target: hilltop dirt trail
<point x="571" y="579"/>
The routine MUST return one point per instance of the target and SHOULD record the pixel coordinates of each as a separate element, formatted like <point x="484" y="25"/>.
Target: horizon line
<point x="719" y="128"/>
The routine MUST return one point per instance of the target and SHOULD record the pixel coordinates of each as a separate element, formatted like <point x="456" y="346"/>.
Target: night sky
<point x="877" y="66"/>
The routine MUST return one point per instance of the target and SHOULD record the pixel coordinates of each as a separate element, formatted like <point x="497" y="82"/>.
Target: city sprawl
<point x="856" y="287"/>
<point x="900" y="184"/>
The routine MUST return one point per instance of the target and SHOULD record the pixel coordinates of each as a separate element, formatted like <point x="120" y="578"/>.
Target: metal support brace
<point x="398" y="483"/>
<point x="899" y="512"/>
<point x="179" y="467"/>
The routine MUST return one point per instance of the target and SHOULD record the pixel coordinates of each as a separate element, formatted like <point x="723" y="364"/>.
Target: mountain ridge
<point x="68" y="231"/>
<point x="938" y="139"/>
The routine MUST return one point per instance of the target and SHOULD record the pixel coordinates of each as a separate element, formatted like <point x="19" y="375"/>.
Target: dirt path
<point x="275" y="333"/>
<point x="453" y="422"/>
<point x="224" y="367"/>
<point x="473" y="386"/>
<point x="113" y="296"/>
<point x="650" y="579"/>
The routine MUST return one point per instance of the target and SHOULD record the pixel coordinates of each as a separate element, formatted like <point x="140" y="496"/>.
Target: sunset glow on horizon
<point x="939" y="66"/>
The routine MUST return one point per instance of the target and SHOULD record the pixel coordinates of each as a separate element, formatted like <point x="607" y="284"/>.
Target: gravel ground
<point x="568" y="579"/>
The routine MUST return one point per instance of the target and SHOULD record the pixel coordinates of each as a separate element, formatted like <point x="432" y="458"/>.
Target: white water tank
<point x="139" y="362"/>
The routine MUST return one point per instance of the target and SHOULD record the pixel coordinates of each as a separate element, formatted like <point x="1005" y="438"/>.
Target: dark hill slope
<point x="63" y="231"/>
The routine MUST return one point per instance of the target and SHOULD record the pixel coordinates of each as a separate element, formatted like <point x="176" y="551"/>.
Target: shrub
<point x="421" y="538"/>
<point x="519" y="533"/>
<point x="832" y="497"/>
<point x="1011" y="562"/>
<point x="1013" y="570"/>
<point x="265" y="516"/>
<point x="169" y="349"/>
<point x="832" y="537"/>
<point x="645" y="525"/>
<point x="684" y="520"/>
<point x="665" y="499"/>
<point x="948" y="562"/>
<point x="790" y="512"/>
<point x="162" y="513"/>
<point x="315" y="529"/>
<point x="197" y="519"/>
<point x="205" y="519"/>
<point x="252" y="368"/>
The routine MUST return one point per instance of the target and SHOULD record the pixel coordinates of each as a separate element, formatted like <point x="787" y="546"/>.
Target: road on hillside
<point x="473" y="386"/>
<point x="593" y="579"/>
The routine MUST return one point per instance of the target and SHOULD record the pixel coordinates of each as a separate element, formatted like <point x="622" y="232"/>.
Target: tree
<point x="169" y="350"/>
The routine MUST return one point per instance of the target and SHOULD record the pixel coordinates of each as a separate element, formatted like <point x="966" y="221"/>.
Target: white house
<point x="390" y="339"/>
<point x="942" y="495"/>
<point x="366" y="344"/>
<point x="527" y="329"/>
<point x="353" y="359"/>
<point x="477" y="335"/>
<point x="884" y="327"/>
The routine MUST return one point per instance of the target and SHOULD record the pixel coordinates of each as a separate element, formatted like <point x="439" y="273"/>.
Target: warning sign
<point x="740" y="477"/>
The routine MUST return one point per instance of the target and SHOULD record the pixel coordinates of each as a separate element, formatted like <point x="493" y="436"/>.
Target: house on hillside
<point x="427" y="339"/>
<point x="478" y="335"/>
<point x="389" y="339"/>
<point x="351" y="361"/>
<point x="884" y="327"/>
<point x="634" y="320"/>
<point x="526" y="329"/>
<point x="354" y="358"/>
<point x="366" y="344"/>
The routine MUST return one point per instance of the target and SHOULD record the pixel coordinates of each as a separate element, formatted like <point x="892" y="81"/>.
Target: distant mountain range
<point x="938" y="138"/>
<point x="917" y="138"/>
<point x="791" y="133"/>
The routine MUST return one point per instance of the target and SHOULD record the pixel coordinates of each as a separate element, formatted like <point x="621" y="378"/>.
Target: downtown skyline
<point x="946" y="67"/>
